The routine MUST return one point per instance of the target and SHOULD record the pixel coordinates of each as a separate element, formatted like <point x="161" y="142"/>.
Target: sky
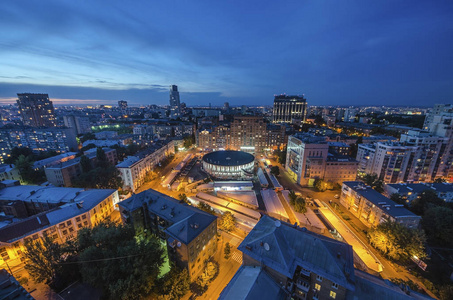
<point x="361" y="52"/>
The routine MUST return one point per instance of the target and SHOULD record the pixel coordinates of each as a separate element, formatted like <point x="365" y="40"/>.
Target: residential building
<point x="38" y="139"/>
<point x="411" y="191"/>
<point x="289" y="109"/>
<point x="10" y="288"/>
<point x="214" y="137"/>
<point x="190" y="234"/>
<point x="10" y="172"/>
<point x="56" y="212"/>
<point x="134" y="169"/>
<point x="282" y="261"/>
<point x="249" y="133"/>
<point x="81" y="124"/>
<point x="36" y="110"/>
<point x="349" y="114"/>
<point x="373" y="208"/>
<point x="122" y="104"/>
<point x="438" y="110"/>
<point x="54" y="160"/>
<point x="309" y="157"/>
<point x="65" y="172"/>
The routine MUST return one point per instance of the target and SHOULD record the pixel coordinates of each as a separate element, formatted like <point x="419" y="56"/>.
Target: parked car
<point x="336" y="196"/>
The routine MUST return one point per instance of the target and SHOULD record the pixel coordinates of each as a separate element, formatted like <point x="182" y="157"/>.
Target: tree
<point x="299" y="205"/>
<point x="292" y="195"/>
<point x="437" y="222"/>
<point x="446" y="292"/>
<point x="87" y="136"/>
<point x="275" y="170"/>
<point x="101" y="158"/>
<point x="281" y="156"/>
<point x="189" y="141"/>
<point x="183" y="198"/>
<point x="397" y="241"/>
<point x="174" y="285"/>
<point x="227" y="250"/>
<point x="16" y="152"/>
<point x="426" y="199"/>
<point x="85" y="163"/>
<point x="397" y="198"/>
<point x="205" y="207"/>
<point x="105" y="178"/>
<point x="227" y="222"/>
<point x="25" y="166"/>
<point x="45" y="262"/>
<point x="439" y="180"/>
<point x="320" y="185"/>
<point x="373" y="181"/>
<point x="125" y="265"/>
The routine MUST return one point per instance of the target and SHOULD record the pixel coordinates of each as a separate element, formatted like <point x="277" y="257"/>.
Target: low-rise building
<point x="190" y="233"/>
<point x="134" y="169"/>
<point x="65" y="172"/>
<point x="56" y="212"/>
<point x="411" y="191"/>
<point x="282" y="261"/>
<point x="10" y="172"/>
<point x="373" y="208"/>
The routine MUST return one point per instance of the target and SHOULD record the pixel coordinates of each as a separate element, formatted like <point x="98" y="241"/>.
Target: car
<point x="336" y="196"/>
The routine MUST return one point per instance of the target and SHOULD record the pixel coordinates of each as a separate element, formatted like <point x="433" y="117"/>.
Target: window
<point x="335" y="285"/>
<point x="68" y="223"/>
<point x="333" y="295"/>
<point x="319" y="278"/>
<point x="65" y="232"/>
<point x="78" y="219"/>
<point x="84" y="217"/>
<point x="317" y="286"/>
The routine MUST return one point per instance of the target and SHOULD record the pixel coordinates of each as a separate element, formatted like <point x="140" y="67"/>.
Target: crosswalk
<point x="237" y="256"/>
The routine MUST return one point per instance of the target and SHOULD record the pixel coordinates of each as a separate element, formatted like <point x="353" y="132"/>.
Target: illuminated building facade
<point x="36" y="110"/>
<point x="289" y="109"/>
<point x="229" y="164"/>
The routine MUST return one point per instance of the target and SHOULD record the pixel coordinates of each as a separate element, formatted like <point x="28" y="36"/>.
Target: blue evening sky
<point x="335" y="52"/>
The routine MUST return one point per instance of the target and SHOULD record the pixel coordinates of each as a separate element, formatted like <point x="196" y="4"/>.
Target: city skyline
<point x="391" y="52"/>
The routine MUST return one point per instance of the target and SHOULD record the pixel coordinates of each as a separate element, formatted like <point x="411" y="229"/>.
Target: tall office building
<point x="288" y="109"/>
<point x="174" y="98"/>
<point x="122" y="104"/>
<point x="36" y="110"/>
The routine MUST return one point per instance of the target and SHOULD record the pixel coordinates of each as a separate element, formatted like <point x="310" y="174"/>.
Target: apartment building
<point x="310" y="157"/>
<point x="411" y="191"/>
<point x="190" y="234"/>
<point x="65" y="172"/>
<point x="282" y="261"/>
<point x="249" y="134"/>
<point x="56" y="212"/>
<point x="134" y="169"/>
<point x="373" y="208"/>
<point x="38" y="139"/>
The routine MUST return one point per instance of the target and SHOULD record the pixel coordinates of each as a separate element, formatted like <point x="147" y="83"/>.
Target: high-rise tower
<point x="175" y="103"/>
<point x="36" y="110"/>
<point x="287" y="109"/>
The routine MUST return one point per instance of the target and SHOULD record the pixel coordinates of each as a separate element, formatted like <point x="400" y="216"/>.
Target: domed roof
<point x="228" y="158"/>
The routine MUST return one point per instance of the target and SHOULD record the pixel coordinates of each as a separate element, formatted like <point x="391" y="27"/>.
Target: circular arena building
<point x="229" y="164"/>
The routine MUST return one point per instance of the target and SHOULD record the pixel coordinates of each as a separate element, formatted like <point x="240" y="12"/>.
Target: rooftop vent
<point x="195" y="226"/>
<point x="266" y="247"/>
<point x="278" y="223"/>
<point x="163" y="207"/>
<point x="80" y="204"/>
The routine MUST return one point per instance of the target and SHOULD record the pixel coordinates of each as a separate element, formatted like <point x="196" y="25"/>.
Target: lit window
<point x="317" y="286"/>
<point x="333" y="294"/>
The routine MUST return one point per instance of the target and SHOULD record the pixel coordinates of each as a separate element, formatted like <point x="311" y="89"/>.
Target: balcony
<point x="303" y="285"/>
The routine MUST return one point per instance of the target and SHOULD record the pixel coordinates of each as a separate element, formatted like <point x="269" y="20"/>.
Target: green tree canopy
<point x="373" y="181"/>
<point x="426" y="199"/>
<point x="397" y="198"/>
<point x="85" y="163"/>
<point x="227" y="221"/>
<point x="275" y="170"/>
<point x="438" y="224"/>
<point x="299" y="204"/>
<point x="25" y="166"/>
<point x="174" y="285"/>
<point x="16" y="152"/>
<point x="124" y="264"/>
<point x="397" y="241"/>
<point x="46" y="262"/>
<point x="205" y="207"/>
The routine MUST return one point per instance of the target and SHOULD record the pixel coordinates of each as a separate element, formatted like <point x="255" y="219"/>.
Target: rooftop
<point x="291" y="246"/>
<point x="390" y="207"/>
<point x="187" y="222"/>
<point x="250" y="283"/>
<point x="228" y="158"/>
